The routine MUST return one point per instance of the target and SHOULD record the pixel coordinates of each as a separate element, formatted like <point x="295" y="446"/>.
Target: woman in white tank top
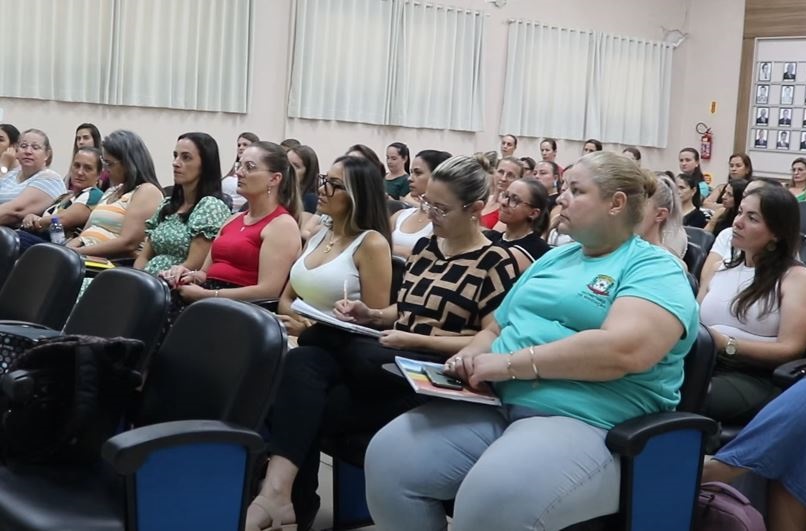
<point x="353" y="254"/>
<point x="412" y="224"/>
<point x="754" y="307"/>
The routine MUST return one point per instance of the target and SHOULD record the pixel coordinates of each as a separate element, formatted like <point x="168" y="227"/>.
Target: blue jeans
<point x="507" y="469"/>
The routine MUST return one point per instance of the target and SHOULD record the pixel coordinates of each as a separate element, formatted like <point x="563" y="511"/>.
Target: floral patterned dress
<point x="170" y="238"/>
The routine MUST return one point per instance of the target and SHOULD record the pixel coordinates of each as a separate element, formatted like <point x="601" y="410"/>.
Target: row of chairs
<point x="186" y="462"/>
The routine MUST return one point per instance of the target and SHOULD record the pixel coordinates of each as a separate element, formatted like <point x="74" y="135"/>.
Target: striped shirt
<point x="46" y="180"/>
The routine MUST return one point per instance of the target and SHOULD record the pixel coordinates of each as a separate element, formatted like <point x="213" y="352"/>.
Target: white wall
<point x="706" y="68"/>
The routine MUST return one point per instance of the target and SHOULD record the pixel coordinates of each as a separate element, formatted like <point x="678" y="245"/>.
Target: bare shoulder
<point x="374" y="246"/>
<point x="282" y="225"/>
<point x="794" y="279"/>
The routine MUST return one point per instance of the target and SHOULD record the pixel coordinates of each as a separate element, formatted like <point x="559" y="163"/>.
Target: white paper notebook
<point x="303" y="308"/>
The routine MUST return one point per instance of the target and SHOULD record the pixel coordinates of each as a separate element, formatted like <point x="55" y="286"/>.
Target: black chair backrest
<point x="699" y="366"/>
<point x="701" y="237"/>
<point x="221" y="360"/>
<point x="802" y="250"/>
<point x="393" y="205"/>
<point x="122" y="302"/>
<point x="42" y="286"/>
<point x="694" y="259"/>
<point x="802" y="207"/>
<point x="693" y="282"/>
<point x="398" y="272"/>
<point x="9" y="250"/>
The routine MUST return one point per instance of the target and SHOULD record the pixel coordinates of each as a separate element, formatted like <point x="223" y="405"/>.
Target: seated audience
<point x="509" y="143"/>
<point x="88" y="135"/>
<point x="797" y="185"/>
<point x="229" y="183"/>
<point x="431" y="319"/>
<point x="632" y="153"/>
<point x="772" y="447"/>
<point x="73" y="208"/>
<point x="548" y="173"/>
<point x="253" y="252"/>
<point x="411" y="224"/>
<point x="753" y="305"/>
<point x="725" y="210"/>
<point x="305" y="163"/>
<point x="548" y="149"/>
<point x="524" y="214"/>
<point x="722" y="249"/>
<point x="397" y="178"/>
<point x="662" y="223"/>
<point x="183" y="227"/>
<point x="529" y="165"/>
<point x="591" y="145"/>
<point x="689" y="194"/>
<point x="116" y="226"/>
<point x="32" y="186"/>
<point x="350" y="255"/>
<point x="689" y="162"/>
<point x="290" y="143"/>
<point x="567" y="369"/>
<point x="507" y="170"/>
<point x="739" y="167"/>
<point x="9" y="138"/>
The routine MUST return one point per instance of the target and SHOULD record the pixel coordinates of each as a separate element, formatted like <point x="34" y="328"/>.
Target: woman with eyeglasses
<point x="72" y="208"/>
<point x="32" y="186"/>
<point x="253" y="252"/>
<point x="411" y="224"/>
<point x="524" y="214"/>
<point x="566" y="368"/>
<point x="453" y="283"/>
<point x="116" y="226"/>
<point x="351" y="253"/>
<point x="229" y="182"/>
<point x="182" y="229"/>
<point x="507" y="170"/>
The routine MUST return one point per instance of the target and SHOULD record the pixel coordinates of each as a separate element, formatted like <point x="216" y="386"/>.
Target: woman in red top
<point x="253" y="253"/>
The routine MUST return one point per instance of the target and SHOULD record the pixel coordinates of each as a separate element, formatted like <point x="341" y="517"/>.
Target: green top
<point x="397" y="187"/>
<point x="566" y="292"/>
<point x="170" y="238"/>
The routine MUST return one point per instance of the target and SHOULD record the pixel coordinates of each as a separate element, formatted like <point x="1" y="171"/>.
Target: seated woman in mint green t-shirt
<point x="567" y="368"/>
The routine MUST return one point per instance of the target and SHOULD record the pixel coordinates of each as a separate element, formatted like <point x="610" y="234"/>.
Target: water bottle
<point x="56" y="231"/>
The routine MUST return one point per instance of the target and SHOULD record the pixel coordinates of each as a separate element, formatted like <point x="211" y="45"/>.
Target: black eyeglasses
<point x="513" y="201"/>
<point x="330" y="185"/>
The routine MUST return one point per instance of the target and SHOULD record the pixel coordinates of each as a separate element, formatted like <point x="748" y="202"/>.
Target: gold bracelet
<point x="534" y="366"/>
<point x="509" y="367"/>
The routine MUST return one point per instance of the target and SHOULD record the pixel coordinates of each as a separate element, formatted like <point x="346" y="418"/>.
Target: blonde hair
<point x="615" y="173"/>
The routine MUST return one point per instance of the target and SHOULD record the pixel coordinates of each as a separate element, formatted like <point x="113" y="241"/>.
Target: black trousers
<point x="333" y="385"/>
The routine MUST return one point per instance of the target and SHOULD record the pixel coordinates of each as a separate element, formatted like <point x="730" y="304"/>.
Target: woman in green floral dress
<point x="181" y="230"/>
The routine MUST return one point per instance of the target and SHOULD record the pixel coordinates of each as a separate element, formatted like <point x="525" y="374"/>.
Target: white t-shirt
<point x="723" y="243"/>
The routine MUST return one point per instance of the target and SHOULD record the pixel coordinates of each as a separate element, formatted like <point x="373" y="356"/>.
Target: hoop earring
<point x="772" y="246"/>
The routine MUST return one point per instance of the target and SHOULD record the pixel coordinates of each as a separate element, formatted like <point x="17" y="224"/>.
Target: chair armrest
<point x="789" y="373"/>
<point x="630" y="437"/>
<point x="267" y="304"/>
<point x="127" y="451"/>
<point x="25" y="324"/>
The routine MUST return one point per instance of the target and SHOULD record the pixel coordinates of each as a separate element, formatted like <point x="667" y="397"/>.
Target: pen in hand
<point x="345" y="289"/>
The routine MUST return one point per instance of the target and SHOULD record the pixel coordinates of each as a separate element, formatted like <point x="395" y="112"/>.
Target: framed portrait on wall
<point x="764" y="71"/>
<point x="783" y="140"/>
<point x="760" y="138"/>
<point x="784" y="117"/>
<point x="762" y="115"/>
<point x="790" y="71"/>
<point x="787" y="94"/>
<point x="762" y="94"/>
<point x="803" y="140"/>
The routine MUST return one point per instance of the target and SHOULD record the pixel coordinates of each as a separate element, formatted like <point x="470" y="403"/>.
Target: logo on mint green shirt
<point x="601" y="285"/>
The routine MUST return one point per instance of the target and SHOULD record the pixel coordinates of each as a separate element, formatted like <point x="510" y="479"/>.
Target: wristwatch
<point x="3" y="170"/>
<point x="730" y="348"/>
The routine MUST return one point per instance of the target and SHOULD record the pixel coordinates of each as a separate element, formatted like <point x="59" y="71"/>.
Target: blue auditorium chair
<point x="188" y="463"/>
<point x="9" y="250"/>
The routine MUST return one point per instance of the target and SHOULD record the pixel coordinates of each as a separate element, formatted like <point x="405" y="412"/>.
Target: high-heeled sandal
<point x="269" y="515"/>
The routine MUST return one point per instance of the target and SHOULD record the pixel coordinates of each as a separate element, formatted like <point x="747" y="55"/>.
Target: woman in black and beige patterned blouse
<point x="454" y="281"/>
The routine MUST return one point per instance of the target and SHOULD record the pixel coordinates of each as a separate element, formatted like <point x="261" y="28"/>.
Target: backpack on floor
<point x="720" y="507"/>
<point x="62" y="398"/>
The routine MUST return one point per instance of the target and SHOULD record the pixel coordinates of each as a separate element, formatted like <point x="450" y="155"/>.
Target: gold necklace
<point x="329" y="245"/>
